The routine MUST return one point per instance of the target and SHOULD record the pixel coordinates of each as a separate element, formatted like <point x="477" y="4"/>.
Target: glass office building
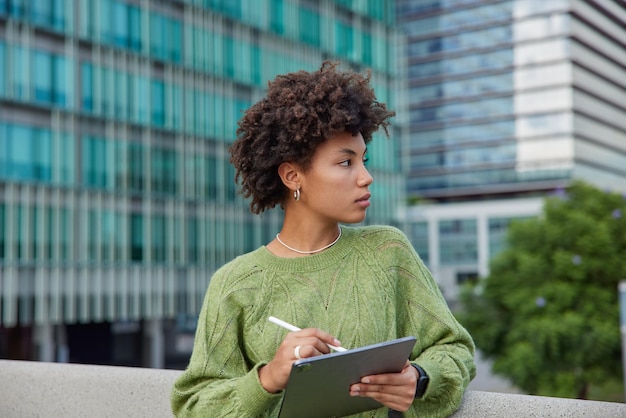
<point x="117" y="201"/>
<point x="508" y="99"/>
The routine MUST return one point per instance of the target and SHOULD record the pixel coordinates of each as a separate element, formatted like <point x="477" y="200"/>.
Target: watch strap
<point x="422" y="381"/>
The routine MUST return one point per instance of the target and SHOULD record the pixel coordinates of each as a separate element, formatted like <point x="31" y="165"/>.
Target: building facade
<point x="117" y="201"/>
<point x="508" y="99"/>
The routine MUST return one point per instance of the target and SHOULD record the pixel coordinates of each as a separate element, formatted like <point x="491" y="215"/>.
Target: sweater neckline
<point x="310" y="262"/>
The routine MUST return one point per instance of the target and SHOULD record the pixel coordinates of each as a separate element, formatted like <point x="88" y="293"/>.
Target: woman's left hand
<point x="394" y="390"/>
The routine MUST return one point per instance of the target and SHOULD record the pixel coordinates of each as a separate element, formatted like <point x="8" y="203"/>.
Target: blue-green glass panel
<point x="175" y="41"/>
<point x="62" y="91"/>
<point x="163" y="164"/>
<point x="344" y="39"/>
<point x="4" y="7"/>
<point x="157" y="99"/>
<point x="366" y="46"/>
<point x="42" y="156"/>
<point x="2" y="70"/>
<point x="158" y="36"/>
<point x="277" y="23"/>
<point x="19" y="83"/>
<point x="134" y="28"/>
<point x="135" y="164"/>
<point x="4" y="151"/>
<point x="86" y="79"/>
<point x="229" y="57"/>
<point x="42" y="76"/>
<point x="119" y="24"/>
<point x="136" y="237"/>
<point x="2" y="230"/>
<point x="94" y="162"/>
<point x="309" y="26"/>
<point x="17" y="8"/>
<point x="192" y="240"/>
<point x="143" y="112"/>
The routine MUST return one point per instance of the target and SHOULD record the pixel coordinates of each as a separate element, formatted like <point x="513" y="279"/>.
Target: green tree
<point x="548" y="314"/>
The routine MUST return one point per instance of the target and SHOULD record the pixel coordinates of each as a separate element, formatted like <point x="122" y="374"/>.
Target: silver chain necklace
<point x="308" y="252"/>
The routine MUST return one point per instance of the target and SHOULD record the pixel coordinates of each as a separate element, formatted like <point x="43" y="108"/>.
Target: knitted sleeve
<point x="444" y="349"/>
<point x="218" y="381"/>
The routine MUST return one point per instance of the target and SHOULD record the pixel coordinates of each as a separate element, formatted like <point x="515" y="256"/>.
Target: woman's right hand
<point x="312" y="342"/>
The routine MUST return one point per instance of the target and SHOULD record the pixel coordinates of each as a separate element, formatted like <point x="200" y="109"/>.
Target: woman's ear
<point x="290" y="175"/>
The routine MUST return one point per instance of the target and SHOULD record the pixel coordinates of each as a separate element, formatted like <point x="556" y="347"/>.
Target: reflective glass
<point x="136" y="237"/>
<point x="2" y="70"/>
<point x="2" y="230"/>
<point x="458" y="241"/>
<point x="157" y="99"/>
<point x="87" y="87"/>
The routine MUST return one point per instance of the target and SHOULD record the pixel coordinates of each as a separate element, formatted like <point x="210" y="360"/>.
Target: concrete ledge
<point x="36" y="389"/>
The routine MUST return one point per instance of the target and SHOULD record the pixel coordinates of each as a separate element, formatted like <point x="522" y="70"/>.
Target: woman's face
<point x="336" y="186"/>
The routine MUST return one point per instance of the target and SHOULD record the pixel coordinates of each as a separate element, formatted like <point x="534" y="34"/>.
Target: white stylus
<point x="294" y="328"/>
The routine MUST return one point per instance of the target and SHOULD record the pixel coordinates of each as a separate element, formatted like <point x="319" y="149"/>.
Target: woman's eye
<point x="345" y="163"/>
<point x="365" y="160"/>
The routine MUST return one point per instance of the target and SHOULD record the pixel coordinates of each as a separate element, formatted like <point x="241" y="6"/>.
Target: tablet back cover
<point x="320" y="386"/>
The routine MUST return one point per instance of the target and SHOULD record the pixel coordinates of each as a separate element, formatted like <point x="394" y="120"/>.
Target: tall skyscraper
<point x="509" y="100"/>
<point x="117" y="201"/>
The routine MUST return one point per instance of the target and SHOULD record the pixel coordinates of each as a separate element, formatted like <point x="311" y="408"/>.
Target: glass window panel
<point x="87" y="87"/>
<point x="94" y="162"/>
<point x="175" y="41"/>
<point x="119" y="23"/>
<point x="42" y="76"/>
<point x="135" y="164"/>
<point x="277" y="23"/>
<point x="309" y="26"/>
<point x="19" y="83"/>
<point x="42" y="156"/>
<point x="134" y="28"/>
<point x="158" y="40"/>
<point x="344" y="41"/>
<point x="136" y="237"/>
<point x="61" y="89"/>
<point x="41" y="12"/>
<point x="142" y="92"/>
<point x="159" y="238"/>
<point x="2" y="70"/>
<point x="158" y="103"/>
<point x="103" y="9"/>
<point x="2" y="231"/>
<point x="107" y="235"/>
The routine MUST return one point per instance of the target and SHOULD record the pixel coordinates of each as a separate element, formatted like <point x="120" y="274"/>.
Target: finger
<point x="323" y="336"/>
<point x="386" y="395"/>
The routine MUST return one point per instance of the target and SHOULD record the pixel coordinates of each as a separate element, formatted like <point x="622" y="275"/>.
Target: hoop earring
<point x="296" y="195"/>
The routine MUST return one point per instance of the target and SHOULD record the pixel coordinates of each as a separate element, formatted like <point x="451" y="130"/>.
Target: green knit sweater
<point x="369" y="287"/>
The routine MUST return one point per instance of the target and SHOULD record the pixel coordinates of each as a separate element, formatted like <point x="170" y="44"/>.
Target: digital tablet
<point x="320" y="386"/>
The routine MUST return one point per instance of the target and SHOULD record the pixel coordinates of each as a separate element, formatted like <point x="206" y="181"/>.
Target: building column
<point x="482" y="227"/>
<point x="43" y="338"/>
<point x="154" y="344"/>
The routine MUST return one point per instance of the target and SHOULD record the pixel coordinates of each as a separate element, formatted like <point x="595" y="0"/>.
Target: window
<point x="87" y="87"/>
<point x="159" y="239"/>
<point x="136" y="237"/>
<point x="158" y="103"/>
<point x="2" y="71"/>
<point x="277" y="23"/>
<point x="94" y="162"/>
<point x="2" y="231"/>
<point x="309" y="26"/>
<point x="458" y="242"/>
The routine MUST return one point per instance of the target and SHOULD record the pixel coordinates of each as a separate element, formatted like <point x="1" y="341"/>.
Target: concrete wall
<point x="36" y="389"/>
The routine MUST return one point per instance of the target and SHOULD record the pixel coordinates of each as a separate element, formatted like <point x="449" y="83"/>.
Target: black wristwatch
<point x="422" y="381"/>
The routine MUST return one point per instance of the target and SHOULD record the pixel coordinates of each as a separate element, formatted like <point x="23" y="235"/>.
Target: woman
<point x="304" y="147"/>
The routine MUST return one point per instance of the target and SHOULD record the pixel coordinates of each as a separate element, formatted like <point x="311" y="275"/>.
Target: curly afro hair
<point x="300" y="111"/>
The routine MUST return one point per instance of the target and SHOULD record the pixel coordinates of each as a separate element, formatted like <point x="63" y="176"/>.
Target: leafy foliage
<point x="548" y="313"/>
